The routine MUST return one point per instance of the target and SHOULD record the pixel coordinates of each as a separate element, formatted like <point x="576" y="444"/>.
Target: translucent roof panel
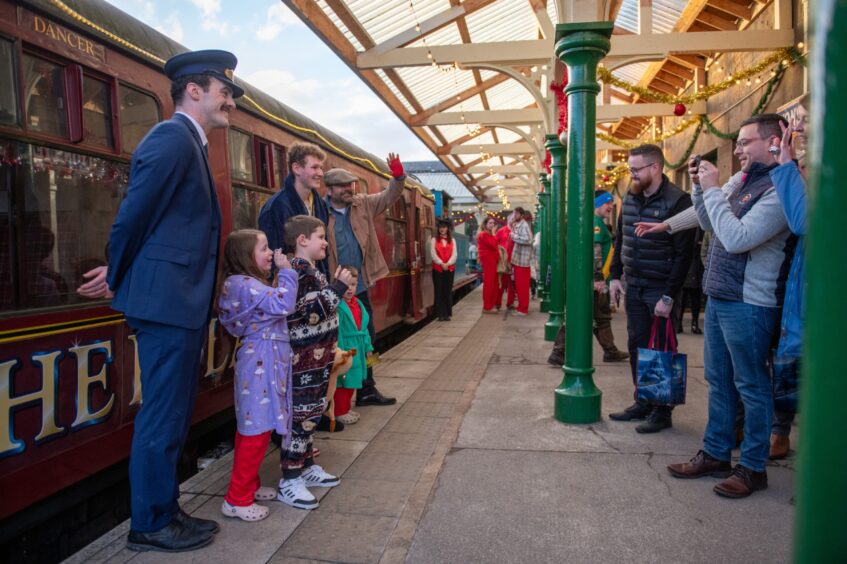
<point x="631" y="73"/>
<point x="431" y="85"/>
<point x="453" y="132"/>
<point x="509" y="95"/>
<point x="503" y="21"/>
<point x="551" y="11"/>
<point x="665" y="15"/>
<point x="340" y="25"/>
<point x="470" y="105"/>
<point x="395" y="91"/>
<point x="384" y="19"/>
<point x="448" y="35"/>
<point x="506" y="136"/>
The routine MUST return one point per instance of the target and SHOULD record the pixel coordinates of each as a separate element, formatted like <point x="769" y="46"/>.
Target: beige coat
<point x="363" y="210"/>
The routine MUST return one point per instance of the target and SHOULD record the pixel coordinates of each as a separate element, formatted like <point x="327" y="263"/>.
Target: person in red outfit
<point x="443" y="252"/>
<point x="489" y="256"/>
<point x="504" y="239"/>
<point x="520" y="258"/>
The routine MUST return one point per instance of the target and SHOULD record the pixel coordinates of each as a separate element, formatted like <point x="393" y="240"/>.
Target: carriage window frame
<point x="74" y="75"/>
<point x="13" y="84"/>
<point x="121" y="86"/>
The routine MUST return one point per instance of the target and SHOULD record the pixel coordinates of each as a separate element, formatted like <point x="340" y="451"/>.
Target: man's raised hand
<point x="395" y="166"/>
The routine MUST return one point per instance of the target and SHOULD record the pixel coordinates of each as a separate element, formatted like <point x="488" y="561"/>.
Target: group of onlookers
<point x="753" y="279"/>
<point x="507" y="255"/>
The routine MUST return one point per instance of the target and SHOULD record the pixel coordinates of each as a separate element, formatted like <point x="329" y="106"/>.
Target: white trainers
<point x="264" y="494"/>
<point x="348" y="418"/>
<point x="295" y="493"/>
<point x="252" y="512"/>
<point x="316" y="476"/>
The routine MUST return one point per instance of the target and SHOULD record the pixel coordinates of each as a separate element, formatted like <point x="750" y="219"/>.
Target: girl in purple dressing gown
<point x="256" y="313"/>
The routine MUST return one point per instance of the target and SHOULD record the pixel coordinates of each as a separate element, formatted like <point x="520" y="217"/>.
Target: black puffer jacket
<point x="655" y="260"/>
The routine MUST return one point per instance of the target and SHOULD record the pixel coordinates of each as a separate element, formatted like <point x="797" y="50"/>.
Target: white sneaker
<point x="295" y="493"/>
<point x="316" y="476"/>
<point x="348" y="418"/>
<point x="252" y="512"/>
<point x="355" y="414"/>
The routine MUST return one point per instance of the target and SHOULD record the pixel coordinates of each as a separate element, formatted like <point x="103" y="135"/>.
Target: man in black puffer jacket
<point x="655" y="266"/>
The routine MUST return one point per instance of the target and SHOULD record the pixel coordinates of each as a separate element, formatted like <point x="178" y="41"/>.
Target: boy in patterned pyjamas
<point x="313" y="331"/>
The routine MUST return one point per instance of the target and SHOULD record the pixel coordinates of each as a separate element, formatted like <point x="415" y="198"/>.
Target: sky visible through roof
<point x="280" y="55"/>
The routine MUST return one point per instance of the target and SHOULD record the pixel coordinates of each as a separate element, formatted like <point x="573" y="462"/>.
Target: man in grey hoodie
<point x="745" y="277"/>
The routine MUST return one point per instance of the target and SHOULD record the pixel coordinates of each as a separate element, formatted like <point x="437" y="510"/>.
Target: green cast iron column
<point x="558" y="237"/>
<point x="544" y="259"/>
<point x="821" y="493"/>
<point x="580" y="46"/>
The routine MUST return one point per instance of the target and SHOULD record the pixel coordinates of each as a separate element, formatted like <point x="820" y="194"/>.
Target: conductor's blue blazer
<point x="164" y="244"/>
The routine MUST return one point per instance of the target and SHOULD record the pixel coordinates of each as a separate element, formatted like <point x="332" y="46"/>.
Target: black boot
<point x="634" y="412"/>
<point x="695" y="327"/>
<point x="659" y="419"/>
<point x="557" y="357"/>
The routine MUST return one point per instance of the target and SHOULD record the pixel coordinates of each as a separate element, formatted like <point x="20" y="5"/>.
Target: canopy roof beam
<point x="496" y="149"/>
<point x="519" y="117"/>
<point x="537" y="52"/>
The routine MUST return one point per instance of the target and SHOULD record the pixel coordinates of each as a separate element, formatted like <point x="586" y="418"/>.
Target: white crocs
<point x="294" y="492"/>
<point x="252" y="512"/>
<point x="315" y="476"/>
<point x="347" y="418"/>
<point x="264" y="494"/>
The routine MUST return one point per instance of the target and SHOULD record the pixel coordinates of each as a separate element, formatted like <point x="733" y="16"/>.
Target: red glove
<point x="395" y="166"/>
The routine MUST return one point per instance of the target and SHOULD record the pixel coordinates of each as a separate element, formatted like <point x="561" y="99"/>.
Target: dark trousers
<point x="443" y="282"/>
<point x="694" y="298"/>
<point x="369" y="385"/>
<point x="170" y="370"/>
<point x="640" y="303"/>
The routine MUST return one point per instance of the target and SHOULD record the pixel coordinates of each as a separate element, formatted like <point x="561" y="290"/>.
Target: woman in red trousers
<point x="489" y="255"/>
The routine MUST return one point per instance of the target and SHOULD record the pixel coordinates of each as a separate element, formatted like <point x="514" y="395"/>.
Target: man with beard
<point x="655" y="266"/>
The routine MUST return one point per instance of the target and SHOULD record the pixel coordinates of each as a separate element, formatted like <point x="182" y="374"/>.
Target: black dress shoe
<point x="173" y="537"/>
<point x="695" y="328"/>
<point x="195" y="523"/>
<point x="375" y="398"/>
<point x="632" y="413"/>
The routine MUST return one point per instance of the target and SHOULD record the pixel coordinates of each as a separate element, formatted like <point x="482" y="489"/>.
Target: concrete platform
<point x="470" y="466"/>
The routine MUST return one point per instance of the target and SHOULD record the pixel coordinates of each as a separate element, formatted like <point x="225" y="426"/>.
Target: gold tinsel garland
<point x="786" y="56"/>
<point x="682" y="126"/>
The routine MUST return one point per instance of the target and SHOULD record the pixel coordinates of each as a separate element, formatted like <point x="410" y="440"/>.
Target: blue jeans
<point x="737" y="342"/>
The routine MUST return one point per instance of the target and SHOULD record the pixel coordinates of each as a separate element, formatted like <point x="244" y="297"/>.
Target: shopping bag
<point x="786" y="371"/>
<point x="661" y="374"/>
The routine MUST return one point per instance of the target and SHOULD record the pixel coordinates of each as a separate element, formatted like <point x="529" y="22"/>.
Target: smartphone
<point x="697" y="161"/>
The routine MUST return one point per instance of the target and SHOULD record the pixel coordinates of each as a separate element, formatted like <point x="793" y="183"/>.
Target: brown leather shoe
<point x="615" y="356"/>
<point x="780" y="445"/>
<point x="701" y="465"/>
<point x="742" y="482"/>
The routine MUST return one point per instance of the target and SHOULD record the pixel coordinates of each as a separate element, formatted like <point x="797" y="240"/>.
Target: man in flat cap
<point x="353" y="241"/>
<point x="163" y="252"/>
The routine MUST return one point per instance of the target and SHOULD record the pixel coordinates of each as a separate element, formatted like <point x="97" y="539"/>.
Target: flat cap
<point x="336" y="176"/>
<point x="211" y="62"/>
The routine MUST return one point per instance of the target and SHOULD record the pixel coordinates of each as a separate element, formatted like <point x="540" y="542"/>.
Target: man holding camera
<point x="745" y="280"/>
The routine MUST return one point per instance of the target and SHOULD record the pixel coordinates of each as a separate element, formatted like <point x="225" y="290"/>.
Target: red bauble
<point x="679" y="110"/>
<point x="605" y="178"/>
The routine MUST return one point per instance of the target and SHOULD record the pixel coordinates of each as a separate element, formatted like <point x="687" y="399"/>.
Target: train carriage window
<point x="246" y="205"/>
<point x="279" y="167"/>
<point x="65" y="204"/>
<point x="8" y="85"/>
<point x="393" y="244"/>
<point x="139" y="112"/>
<point x="241" y="156"/>
<point x="44" y="96"/>
<point x="97" y="112"/>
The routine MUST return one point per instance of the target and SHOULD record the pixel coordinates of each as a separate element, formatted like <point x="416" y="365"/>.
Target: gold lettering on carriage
<point x="70" y="38"/>
<point x="94" y="396"/>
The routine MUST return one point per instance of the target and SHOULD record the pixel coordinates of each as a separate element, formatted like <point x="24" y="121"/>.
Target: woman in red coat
<point x="489" y="255"/>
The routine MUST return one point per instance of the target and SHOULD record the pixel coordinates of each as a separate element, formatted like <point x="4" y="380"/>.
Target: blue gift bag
<point x="662" y="374"/>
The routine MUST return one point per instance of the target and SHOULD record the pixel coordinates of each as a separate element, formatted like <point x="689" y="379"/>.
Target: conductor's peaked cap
<point x="211" y="62"/>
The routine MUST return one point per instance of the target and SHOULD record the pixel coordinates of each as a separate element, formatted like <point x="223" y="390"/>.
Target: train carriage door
<point x="416" y="253"/>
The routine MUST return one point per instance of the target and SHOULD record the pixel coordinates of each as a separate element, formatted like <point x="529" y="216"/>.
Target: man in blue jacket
<point x="163" y="253"/>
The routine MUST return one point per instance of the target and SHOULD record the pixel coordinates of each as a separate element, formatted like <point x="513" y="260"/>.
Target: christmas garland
<point x="781" y="58"/>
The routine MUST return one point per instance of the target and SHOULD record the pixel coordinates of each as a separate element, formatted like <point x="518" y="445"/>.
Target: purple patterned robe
<point x="256" y="313"/>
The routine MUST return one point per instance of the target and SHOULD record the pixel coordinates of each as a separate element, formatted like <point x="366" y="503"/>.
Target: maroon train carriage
<point x="81" y="83"/>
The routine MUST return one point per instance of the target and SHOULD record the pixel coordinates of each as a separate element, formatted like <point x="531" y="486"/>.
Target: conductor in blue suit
<point x="163" y="253"/>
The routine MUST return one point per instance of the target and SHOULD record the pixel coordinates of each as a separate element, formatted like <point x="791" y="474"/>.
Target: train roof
<point x="134" y="37"/>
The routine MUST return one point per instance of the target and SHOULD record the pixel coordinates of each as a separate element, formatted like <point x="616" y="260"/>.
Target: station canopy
<point x="473" y="78"/>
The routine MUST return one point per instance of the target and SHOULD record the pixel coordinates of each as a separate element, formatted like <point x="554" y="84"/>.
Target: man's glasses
<point x="634" y="170"/>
